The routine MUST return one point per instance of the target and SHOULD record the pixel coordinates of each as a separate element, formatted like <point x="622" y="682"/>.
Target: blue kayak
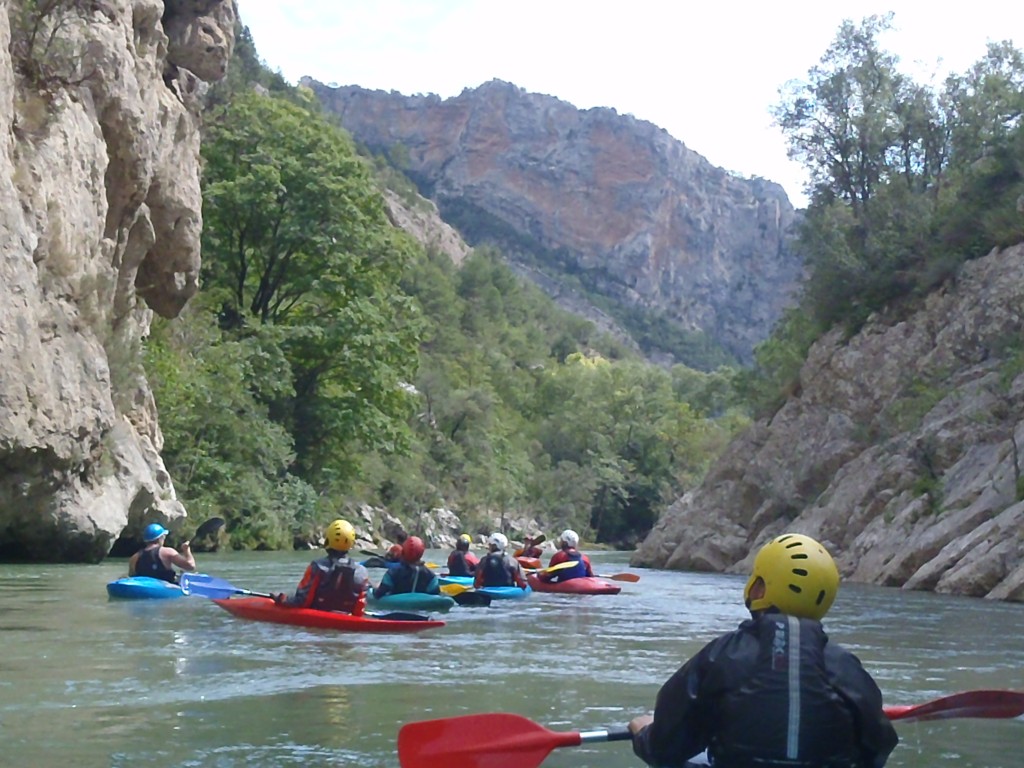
<point x="413" y="601"/>
<point x="143" y="588"/>
<point x="505" y="593"/>
<point x="498" y="593"/>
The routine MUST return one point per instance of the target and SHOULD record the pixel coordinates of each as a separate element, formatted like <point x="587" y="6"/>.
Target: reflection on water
<point x="89" y="682"/>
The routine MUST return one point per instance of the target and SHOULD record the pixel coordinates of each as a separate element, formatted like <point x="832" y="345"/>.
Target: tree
<point x="296" y="237"/>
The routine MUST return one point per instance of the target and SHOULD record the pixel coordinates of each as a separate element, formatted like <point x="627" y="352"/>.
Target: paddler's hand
<point x="637" y="724"/>
<point x="186" y="546"/>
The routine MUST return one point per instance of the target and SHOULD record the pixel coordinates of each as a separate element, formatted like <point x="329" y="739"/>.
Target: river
<point x="86" y="681"/>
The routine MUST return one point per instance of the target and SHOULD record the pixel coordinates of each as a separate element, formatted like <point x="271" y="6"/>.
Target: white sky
<point x="707" y="71"/>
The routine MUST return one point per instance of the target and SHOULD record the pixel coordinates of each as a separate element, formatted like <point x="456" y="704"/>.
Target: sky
<point x="707" y="72"/>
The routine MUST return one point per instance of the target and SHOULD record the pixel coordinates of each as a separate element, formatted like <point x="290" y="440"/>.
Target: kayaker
<point x="567" y="552"/>
<point x="394" y="553"/>
<point x="530" y="547"/>
<point x="774" y="691"/>
<point x="411" y="575"/>
<point x="497" y="568"/>
<point x="158" y="561"/>
<point x="335" y="582"/>
<point x="462" y="562"/>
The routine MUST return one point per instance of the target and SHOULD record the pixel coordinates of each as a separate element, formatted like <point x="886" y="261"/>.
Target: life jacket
<point x="497" y="571"/>
<point x="784" y="712"/>
<point x="337" y="588"/>
<point x="459" y="565"/>
<point x="410" y="578"/>
<point x="150" y="564"/>
<point x="577" y="571"/>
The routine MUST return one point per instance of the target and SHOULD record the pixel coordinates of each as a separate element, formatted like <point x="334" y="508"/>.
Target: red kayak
<point x="262" y="609"/>
<point x="529" y="562"/>
<point x="585" y="585"/>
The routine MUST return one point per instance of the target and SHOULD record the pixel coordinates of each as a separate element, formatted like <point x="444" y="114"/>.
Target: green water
<point x="85" y="681"/>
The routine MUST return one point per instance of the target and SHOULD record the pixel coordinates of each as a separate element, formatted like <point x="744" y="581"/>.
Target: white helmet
<point x="570" y="538"/>
<point x="498" y="541"/>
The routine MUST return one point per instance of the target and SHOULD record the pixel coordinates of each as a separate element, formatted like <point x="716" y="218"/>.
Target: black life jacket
<point x="496" y="569"/>
<point x="458" y="565"/>
<point x="410" y="578"/>
<point x="337" y="588"/>
<point x="784" y="712"/>
<point x="150" y="564"/>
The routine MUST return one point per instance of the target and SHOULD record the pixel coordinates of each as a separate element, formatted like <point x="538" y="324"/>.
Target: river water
<point x="86" y="681"/>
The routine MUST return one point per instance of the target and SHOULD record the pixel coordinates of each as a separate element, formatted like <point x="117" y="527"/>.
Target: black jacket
<point x="774" y="690"/>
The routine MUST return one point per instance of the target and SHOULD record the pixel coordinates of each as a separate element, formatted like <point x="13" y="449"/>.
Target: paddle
<point x="502" y="740"/>
<point x="552" y="568"/>
<point x="487" y="741"/>
<point x="471" y="598"/>
<point x="630" y="577"/>
<point x="208" y="528"/>
<point x="987" y="704"/>
<point x="455" y="589"/>
<point x="212" y="587"/>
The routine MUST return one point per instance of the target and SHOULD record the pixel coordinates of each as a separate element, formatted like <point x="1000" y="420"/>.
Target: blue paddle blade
<point x="207" y="586"/>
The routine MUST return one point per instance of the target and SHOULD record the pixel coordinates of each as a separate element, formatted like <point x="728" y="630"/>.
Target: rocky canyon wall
<point x="100" y="215"/>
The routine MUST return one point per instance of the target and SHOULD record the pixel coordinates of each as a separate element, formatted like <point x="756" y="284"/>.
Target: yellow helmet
<point x="340" y="535"/>
<point x="800" y="577"/>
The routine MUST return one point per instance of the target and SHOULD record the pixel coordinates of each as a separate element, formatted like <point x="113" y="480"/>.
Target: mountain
<point x="597" y="208"/>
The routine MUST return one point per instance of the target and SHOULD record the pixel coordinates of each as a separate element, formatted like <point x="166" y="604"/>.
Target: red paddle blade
<point x="631" y="577"/>
<point x="989" y="704"/>
<point x="478" y="741"/>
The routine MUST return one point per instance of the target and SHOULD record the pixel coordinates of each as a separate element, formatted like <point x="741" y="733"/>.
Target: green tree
<point x="295" y="236"/>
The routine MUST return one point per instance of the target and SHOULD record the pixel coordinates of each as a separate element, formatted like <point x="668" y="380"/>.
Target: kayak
<point x="498" y="593"/>
<point x="262" y="609"/>
<point x="505" y="593"/>
<point x="533" y="563"/>
<point x="584" y="585"/>
<point x="413" y="601"/>
<point x="143" y="588"/>
<point x="462" y="581"/>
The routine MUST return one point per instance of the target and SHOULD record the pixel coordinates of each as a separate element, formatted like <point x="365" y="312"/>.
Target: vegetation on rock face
<point x="906" y="182"/>
<point x="329" y="361"/>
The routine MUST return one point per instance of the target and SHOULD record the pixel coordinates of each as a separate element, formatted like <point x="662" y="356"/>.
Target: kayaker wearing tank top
<point x="462" y="562"/>
<point x="497" y="568"/>
<point x="567" y="552"/>
<point x="775" y="691"/>
<point x="411" y="575"/>
<point x="336" y="582"/>
<point x="157" y="561"/>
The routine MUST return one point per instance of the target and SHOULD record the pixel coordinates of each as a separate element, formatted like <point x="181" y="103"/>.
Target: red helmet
<point x="412" y="549"/>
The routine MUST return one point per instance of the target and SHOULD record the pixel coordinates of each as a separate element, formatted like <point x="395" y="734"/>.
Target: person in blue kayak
<point x="156" y="560"/>
<point x="462" y="562"/>
<point x="567" y="552"/>
<point x="411" y="575"/>
<point x="775" y="691"/>
<point x="335" y="582"/>
<point x="498" y="568"/>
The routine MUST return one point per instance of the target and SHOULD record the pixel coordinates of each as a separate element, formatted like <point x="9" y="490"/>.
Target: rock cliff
<point x="901" y="451"/>
<point x="100" y="213"/>
<point x="648" y="222"/>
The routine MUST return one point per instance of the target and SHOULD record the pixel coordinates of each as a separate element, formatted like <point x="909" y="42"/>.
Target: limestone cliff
<point x="100" y="214"/>
<point x="649" y="223"/>
<point x="901" y="451"/>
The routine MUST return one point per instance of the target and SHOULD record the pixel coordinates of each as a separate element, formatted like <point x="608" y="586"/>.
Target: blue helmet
<point x="153" y="532"/>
